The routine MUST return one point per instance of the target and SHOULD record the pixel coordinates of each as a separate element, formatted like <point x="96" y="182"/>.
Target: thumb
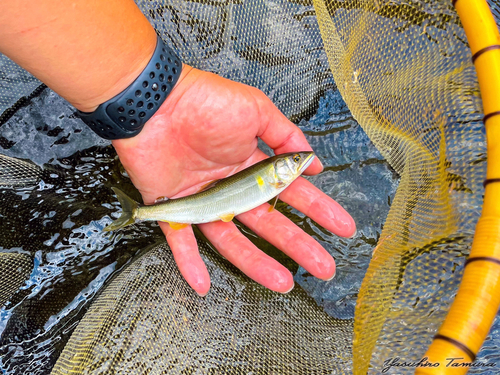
<point x="283" y="136"/>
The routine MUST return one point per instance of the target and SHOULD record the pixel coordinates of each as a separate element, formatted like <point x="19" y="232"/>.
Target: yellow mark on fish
<point x="260" y="180"/>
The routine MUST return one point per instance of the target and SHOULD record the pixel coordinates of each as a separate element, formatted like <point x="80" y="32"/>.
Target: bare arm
<point x="89" y="51"/>
<point x="86" y="51"/>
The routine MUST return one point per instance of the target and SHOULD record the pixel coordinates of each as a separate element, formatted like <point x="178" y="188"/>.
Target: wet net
<point x="416" y="98"/>
<point x="80" y="301"/>
<point x="148" y="321"/>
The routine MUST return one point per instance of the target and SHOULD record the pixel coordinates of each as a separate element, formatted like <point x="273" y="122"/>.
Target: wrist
<point x="159" y="122"/>
<point x="125" y="114"/>
<point x="86" y="51"/>
<point x="110" y="79"/>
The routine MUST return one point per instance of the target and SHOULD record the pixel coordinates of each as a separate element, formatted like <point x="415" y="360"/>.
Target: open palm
<point x="207" y="129"/>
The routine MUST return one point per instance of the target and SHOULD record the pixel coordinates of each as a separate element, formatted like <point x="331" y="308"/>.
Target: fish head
<point x="290" y="166"/>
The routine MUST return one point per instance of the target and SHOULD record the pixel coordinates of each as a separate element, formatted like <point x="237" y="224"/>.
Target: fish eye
<point x="296" y="158"/>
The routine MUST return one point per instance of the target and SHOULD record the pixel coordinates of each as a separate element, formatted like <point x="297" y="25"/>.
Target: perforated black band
<point x="125" y="115"/>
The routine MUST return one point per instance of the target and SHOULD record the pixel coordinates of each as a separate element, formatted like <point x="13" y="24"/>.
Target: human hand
<point x="207" y="129"/>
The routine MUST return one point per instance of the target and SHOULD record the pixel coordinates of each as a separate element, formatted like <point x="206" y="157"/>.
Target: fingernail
<point x="202" y="294"/>
<point x="331" y="278"/>
<point x="355" y="233"/>
<point x="289" y="290"/>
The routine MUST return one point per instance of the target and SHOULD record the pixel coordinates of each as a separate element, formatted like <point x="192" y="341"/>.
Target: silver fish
<point x="222" y="199"/>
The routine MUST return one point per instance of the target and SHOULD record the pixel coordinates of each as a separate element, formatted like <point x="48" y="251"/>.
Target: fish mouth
<point x="307" y="161"/>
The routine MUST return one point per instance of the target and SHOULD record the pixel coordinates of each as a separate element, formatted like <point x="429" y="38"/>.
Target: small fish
<point x="222" y="199"/>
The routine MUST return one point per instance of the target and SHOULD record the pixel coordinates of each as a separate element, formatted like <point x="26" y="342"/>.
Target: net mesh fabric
<point x="18" y="173"/>
<point x="275" y="46"/>
<point x="404" y="70"/>
<point x="15" y="267"/>
<point x="149" y="321"/>
<point x="15" y="83"/>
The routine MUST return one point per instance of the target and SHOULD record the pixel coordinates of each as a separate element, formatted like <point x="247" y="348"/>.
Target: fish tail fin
<point x="129" y="207"/>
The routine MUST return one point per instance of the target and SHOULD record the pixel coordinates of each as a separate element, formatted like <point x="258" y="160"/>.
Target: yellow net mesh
<point x="405" y="72"/>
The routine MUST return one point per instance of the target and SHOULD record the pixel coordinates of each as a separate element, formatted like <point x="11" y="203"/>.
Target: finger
<point x="311" y="201"/>
<point x="289" y="238"/>
<point x="188" y="259"/>
<point x="241" y="252"/>
<point x="283" y="136"/>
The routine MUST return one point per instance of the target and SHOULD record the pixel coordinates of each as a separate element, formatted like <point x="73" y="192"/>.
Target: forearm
<point x="86" y="51"/>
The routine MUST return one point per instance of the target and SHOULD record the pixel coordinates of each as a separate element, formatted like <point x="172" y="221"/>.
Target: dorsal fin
<point x="208" y="185"/>
<point x="161" y="199"/>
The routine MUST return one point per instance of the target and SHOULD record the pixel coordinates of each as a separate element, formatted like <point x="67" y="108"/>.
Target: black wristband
<point x="124" y="115"/>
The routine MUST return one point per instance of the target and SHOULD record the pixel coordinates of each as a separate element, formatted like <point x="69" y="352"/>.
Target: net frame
<point x="475" y="307"/>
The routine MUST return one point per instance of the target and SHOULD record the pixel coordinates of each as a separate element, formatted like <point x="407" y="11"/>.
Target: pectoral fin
<point x="176" y="226"/>
<point x="278" y="185"/>
<point x="273" y="203"/>
<point x="227" y="218"/>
